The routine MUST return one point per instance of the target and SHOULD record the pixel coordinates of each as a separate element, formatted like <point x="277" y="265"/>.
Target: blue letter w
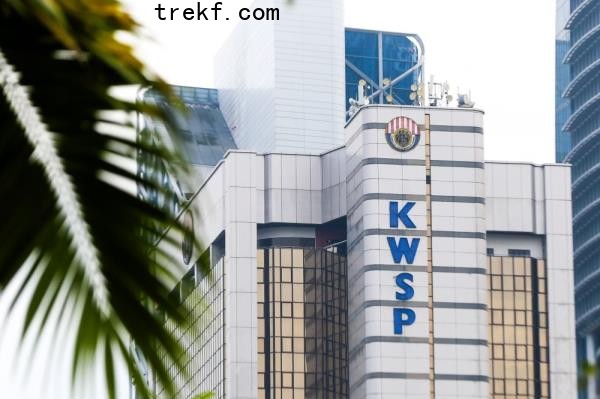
<point x="402" y="248"/>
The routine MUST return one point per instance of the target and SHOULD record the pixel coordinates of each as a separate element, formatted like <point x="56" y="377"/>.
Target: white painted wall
<point x="502" y="242"/>
<point x="281" y="83"/>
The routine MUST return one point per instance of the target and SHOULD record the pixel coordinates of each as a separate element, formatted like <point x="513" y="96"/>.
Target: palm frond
<point x="44" y="152"/>
<point x="76" y="236"/>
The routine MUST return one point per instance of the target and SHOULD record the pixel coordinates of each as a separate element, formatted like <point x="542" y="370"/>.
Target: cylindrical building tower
<point x="583" y="91"/>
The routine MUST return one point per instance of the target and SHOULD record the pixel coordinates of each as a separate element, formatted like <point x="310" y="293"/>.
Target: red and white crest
<point x="402" y="133"/>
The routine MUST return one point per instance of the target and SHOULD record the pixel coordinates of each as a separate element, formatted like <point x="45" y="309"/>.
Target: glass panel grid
<point x="303" y="342"/>
<point x="203" y="339"/>
<point x="518" y="328"/>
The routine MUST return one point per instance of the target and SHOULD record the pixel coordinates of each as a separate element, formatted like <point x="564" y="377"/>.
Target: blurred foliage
<point x="588" y="371"/>
<point x="68" y="54"/>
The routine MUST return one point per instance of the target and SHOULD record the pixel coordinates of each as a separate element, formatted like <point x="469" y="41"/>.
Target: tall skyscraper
<point x="563" y="109"/>
<point x="281" y="83"/>
<point x="583" y="125"/>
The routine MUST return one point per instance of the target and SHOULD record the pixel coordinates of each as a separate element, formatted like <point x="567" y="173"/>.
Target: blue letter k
<point x="402" y="215"/>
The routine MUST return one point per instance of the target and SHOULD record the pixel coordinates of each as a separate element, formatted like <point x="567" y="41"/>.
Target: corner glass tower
<point x="563" y="108"/>
<point x="583" y="124"/>
<point x="388" y="63"/>
<point x="200" y="131"/>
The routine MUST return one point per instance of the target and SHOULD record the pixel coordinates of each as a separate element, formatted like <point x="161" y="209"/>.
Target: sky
<point x="502" y="51"/>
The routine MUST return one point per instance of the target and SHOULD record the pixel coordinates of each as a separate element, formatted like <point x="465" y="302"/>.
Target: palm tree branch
<point x="71" y="95"/>
<point x="46" y="154"/>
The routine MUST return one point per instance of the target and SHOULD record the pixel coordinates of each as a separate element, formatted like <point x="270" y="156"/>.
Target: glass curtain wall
<point x="518" y="317"/>
<point x="302" y="323"/>
<point x="376" y="56"/>
<point x="563" y="108"/>
<point x="581" y="20"/>
<point x="204" y="338"/>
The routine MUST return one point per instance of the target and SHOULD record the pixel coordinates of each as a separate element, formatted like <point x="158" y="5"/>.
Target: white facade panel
<point x="375" y="182"/>
<point x="281" y="83"/>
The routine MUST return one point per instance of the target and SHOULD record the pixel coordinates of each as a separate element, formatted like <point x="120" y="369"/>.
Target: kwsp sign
<point x="401" y="248"/>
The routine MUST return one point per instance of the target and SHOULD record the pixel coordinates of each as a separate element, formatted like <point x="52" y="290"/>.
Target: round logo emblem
<point x="402" y="134"/>
<point x="187" y="244"/>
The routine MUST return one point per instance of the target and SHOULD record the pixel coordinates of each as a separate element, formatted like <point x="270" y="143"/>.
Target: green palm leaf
<point x="75" y="235"/>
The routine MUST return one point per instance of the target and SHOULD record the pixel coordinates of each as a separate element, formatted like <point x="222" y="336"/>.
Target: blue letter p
<point x="403" y="317"/>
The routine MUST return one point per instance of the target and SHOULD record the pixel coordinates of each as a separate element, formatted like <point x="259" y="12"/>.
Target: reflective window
<point x="203" y="339"/>
<point x="366" y="60"/>
<point x="204" y="136"/>
<point x="302" y="339"/>
<point x="518" y="343"/>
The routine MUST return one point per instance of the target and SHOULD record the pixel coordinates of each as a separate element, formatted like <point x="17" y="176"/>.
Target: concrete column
<point x="385" y="362"/>
<point x="241" y="353"/>
<point x="559" y="279"/>
<point x="387" y="193"/>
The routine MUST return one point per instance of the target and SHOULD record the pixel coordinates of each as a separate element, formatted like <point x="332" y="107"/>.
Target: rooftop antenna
<point x="464" y="100"/>
<point x="447" y="96"/>
<point x="361" y="92"/>
<point x="439" y="93"/>
<point x="362" y="98"/>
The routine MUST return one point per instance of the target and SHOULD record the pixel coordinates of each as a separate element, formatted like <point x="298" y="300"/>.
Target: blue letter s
<point x="401" y="282"/>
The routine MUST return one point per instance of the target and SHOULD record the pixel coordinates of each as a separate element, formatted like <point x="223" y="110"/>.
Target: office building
<point x="563" y="108"/>
<point x="367" y="271"/>
<point x="583" y="125"/>
<point x="384" y="258"/>
<point x="281" y="83"/>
